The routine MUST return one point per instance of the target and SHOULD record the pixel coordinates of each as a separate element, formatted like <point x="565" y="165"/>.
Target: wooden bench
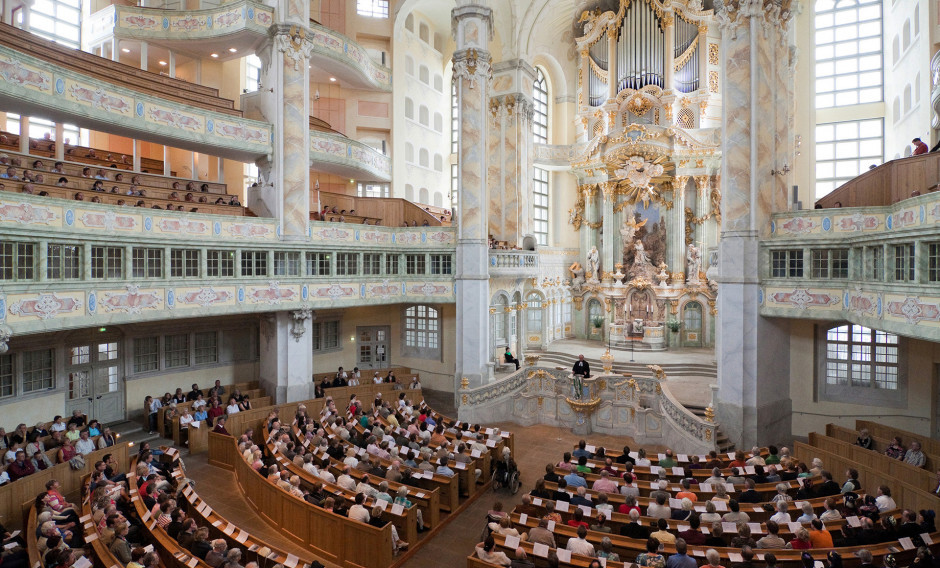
<point x="235" y="536"/>
<point x="250" y="386"/>
<point x="346" y="542"/>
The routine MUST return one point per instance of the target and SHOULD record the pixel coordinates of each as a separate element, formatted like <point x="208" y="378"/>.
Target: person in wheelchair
<point x="506" y="472"/>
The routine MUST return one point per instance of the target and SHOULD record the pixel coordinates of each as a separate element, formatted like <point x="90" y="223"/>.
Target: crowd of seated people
<point x="913" y="455"/>
<point x="354" y="378"/>
<point x="27" y="450"/>
<point x="334" y="214"/>
<point x="863" y="520"/>
<point x="208" y="408"/>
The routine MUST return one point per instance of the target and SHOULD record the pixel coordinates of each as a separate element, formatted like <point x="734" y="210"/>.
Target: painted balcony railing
<point x="27" y="82"/>
<point x="332" y="51"/>
<point x="524" y="264"/>
<point x="325" y="271"/>
<point x="152" y="24"/>
<point x="334" y="153"/>
<point x="873" y="266"/>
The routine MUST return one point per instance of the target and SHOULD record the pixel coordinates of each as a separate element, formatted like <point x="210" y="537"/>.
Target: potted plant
<point x="598" y="323"/>
<point x="673" y="326"/>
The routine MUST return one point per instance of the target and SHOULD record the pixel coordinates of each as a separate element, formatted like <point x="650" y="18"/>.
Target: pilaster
<point x="675" y="246"/>
<point x="286" y="355"/>
<point x="610" y="234"/>
<point x="753" y="360"/>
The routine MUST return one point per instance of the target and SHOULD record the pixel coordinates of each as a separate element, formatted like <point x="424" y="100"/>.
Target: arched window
<point x="424" y="32"/>
<point x="906" y="34"/>
<point x="424" y="74"/>
<point x="916" y="20"/>
<point x="422" y="329"/>
<point x="424" y="115"/>
<point x="409" y="65"/>
<point x="895" y="49"/>
<point x="533" y="316"/>
<point x="897" y="108"/>
<point x="540" y="176"/>
<point x="409" y="153"/>
<point x="423" y="157"/>
<point x="438" y="199"/>
<point x="692" y="317"/>
<point x="594" y="312"/>
<point x="410" y="23"/>
<point x="540" y="104"/>
<point x="438" y="42"/>
<point x="438" y="122"/>
<point x="917" y="89"/>
<point x="409" y="108"/>
<point x="499" y="321"/>
<point x="438" y="83"/>
<point x="907" y="99"/>
<point x="439" y="162"/>
<point x="423" y="195"/>
<point x="409" y="192"/>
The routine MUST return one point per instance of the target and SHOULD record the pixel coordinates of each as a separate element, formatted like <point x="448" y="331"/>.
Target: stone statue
<point x="663" y="275"/>
<point x="642" y="267"/>
<point x="694" y="259"/>
<point x="595" y="262"/>
<point x="628" y="231"/>
<point x="577" y="276"/>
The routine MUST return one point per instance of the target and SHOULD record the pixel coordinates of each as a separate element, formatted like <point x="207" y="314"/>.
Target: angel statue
<point x="595" y="262"/>
<point x="577" y="276"/>
<point x="663" y="275"/>
<point x="694" y="259"/>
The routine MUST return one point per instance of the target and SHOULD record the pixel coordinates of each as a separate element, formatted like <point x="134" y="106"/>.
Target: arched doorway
<point x="692" y="324"/>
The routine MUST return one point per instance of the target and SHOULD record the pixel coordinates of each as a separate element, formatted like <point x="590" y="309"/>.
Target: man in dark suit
<point x="581" y="367"/>
<point x="634" y="529"/>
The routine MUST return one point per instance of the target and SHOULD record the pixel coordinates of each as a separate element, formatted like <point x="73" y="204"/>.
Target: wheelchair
<point x="506" y="474"/>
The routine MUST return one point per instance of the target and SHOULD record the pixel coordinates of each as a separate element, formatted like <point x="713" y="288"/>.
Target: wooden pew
<point x="221" y="527"/>
<point x="250" y="386"/>
<point x="262" y="402"/>
<point x="32" y="542"/>
<point x="103" y="556"/>
<point x="890" y="470"/>
<point x="349" y="543"/>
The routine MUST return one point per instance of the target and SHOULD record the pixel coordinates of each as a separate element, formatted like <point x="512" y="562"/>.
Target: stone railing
<point x="338" y="47"/>
<point x="524" y="264"/>
<point x="641" y="406"/>
<point x="39" y="302"/>
<point x="168" y="25"/>
<point x="335" y="153"/>
<point x="144" y="116"/>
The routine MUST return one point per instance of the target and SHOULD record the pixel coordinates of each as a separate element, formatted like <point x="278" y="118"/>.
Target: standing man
<point x="581" y="367"/>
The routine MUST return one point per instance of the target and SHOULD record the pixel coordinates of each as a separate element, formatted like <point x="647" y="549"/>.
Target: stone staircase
<point x="556" y="359"/>
<point x="134" y="431"/>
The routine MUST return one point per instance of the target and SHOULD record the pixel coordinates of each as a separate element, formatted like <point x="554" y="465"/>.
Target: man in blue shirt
<point x="581" y="451"/>
<point x="442" y="468"/>
<point x="680" y="559"/>
<point x="574" y="480"/>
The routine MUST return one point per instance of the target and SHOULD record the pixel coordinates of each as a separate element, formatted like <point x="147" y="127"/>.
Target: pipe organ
<point x="646" y="45"/>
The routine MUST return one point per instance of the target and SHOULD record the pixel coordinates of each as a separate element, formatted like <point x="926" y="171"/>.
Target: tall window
<point x="904" y="261"/>
<point x="540" y="204"/>
<point x="286" y="263"/>
<point x="38" y="370"/>
<point x="106" y="262"/>
<point x="252" y="73"/>
<point x="861" y="357"/>
<point x="146" y="354"/>
<point x="254" y="263"/>
<point x="422" y="327"/>
<point x="933" y="262"/>
<point x="540" y="104"/>
<point x="848" y="52"/>
<point x="846" y="149"/>
<point x="533" y="314"/>
<point x="6" y="375"/>
<point x="372" y="8"/>
<point x="206" y="347"/>
<point x="58" y="20"/>
<point x="184" y="263"/>
<point x="373" y="190"/>
<point x="63" y="262"/>
<point x="318" y="264"/>
<point x="147" y="262"/>
<point x="17" y="261"/>
<point x="220" y="263"/>
<point x="786" y="263"/>
<point x="39" y="127"/>
<point x="454" y="119"/>
<point x="176" y="351"/>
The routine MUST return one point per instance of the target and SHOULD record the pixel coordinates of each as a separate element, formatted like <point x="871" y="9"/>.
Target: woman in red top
<point x="739" y="460"/>
<point x="67" y="452"/>
<point x="214" y="411"/>
<point x="578" y="519"/>
<point x="802" y="541"/>
<point x="628" y="505"/>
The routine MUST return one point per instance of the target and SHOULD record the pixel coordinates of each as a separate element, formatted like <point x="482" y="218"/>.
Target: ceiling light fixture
<point x="232" y="49"/>
<point x="162" y="62"/>
<point x="332" y="79"/>
<point x="125" y="50"/>
<point x="214" y="55"/>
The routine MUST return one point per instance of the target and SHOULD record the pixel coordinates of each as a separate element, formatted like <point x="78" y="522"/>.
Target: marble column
<point x="700" y="237"/>
<point x="285" y="101"/>
<point x="286" y="355"/>
<point x="472" y="29"/>
<point x="757" y="60"/>
<point x="669" y="36"/>
<point x="589" y="235"/>
<point x="611" y="233"/>
<point x="24" y="134"/>
<point x="612" y="71"/>
<point x="675" y="244"/>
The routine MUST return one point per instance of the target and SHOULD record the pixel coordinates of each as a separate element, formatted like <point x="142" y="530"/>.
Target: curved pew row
<point x="404" y="519"/>
<point x="220" y="527"/>
<point x="341" y="540"/>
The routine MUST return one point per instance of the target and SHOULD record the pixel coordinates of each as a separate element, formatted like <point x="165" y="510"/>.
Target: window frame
<point x="850" y="341"/>
<point x="421" y="331"/>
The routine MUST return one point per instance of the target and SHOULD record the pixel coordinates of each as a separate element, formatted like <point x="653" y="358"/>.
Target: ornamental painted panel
<point x="205" y="296"/>
<point x="800" y="225"/>
<point x="249" y="230"/>
<point x="273" y="294"/>
<point x="131" y="300"/>
<point x="14" y="71"/>
<point x="45" y="306"/>
<point x="913" y="310"/>
<point x="26" y="214"/>
<point x="802" y="298"/>
<point x="109" y="221"/>
<point x="183" y="226"/>
<point x="857" y="222"/>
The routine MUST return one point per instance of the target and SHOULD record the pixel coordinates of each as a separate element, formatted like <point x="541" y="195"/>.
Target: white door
<point x="373" y="347"/>
<point x="96" y="386"/>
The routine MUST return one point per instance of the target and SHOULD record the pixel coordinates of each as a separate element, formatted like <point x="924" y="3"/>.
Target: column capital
<point x="469" y="35"/>
<point x="472" y="65"/>
<point x="293" y="43"/>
